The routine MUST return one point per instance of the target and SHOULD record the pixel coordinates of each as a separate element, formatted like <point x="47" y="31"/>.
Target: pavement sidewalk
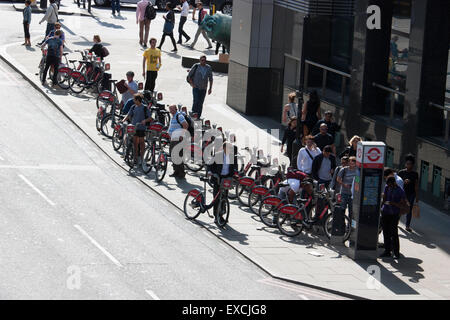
<point x="309" y="259"/>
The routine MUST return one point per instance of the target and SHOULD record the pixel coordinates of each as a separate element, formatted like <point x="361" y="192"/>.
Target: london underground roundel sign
<point x="374" y="154"/>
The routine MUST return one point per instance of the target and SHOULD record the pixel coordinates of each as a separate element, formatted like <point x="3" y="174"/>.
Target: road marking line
<point x="52" y="167"/>
<point x="37" y="190"/>
<point x="303" y="297"/>
<point x="95" y="243"/>
<point x="207" y="234"/>
<point x="152" y="294"/>
<point x="242" y="259"/>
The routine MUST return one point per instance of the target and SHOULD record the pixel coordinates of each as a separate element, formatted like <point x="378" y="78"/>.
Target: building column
<point x="249" y="63"/>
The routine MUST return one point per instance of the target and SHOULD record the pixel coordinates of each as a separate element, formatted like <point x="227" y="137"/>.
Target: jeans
<point x="115" y="6"/>
<point x="197" y="34"/>
<point x="51" y="61"/>
<point x="347" y="201"/>
<point x="143" y="36"/>
<point x="199" y="98"/>
<point x="411" y="199"/>
<point x="150" y="80"/>
<point x="390" y="233"/>
<point x="178" y="169"/>
<point x="50" y="27"/>
<point x="181" y="32"/>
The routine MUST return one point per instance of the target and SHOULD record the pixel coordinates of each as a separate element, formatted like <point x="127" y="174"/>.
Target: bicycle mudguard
<point x="196" y="193"/>
<point x="272" y="200"/>
<point x="261" y="190"/>
<point x="246" y="181"/>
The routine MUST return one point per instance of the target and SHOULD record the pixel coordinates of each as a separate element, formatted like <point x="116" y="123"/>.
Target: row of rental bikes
<point x="257" y="185"/>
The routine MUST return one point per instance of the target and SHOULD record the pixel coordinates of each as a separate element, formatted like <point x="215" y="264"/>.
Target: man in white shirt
<point x="51" y="16"/>
<point x="306" y="155"/>
<point x="184" y="14"/>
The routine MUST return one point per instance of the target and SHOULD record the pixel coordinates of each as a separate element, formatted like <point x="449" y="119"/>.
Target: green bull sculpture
<point x="218" y="28"/>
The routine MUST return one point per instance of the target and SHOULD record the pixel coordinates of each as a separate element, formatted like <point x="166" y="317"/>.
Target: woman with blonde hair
<point x="350" y="150"/>
<point x="289" y="110"/>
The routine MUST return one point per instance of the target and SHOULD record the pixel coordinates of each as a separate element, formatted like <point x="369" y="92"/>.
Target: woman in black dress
<point x="311" y="113"/>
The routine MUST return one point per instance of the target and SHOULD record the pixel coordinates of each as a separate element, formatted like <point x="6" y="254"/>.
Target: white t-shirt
<point x="304" y="161"/>
<point x="185" y="9"/>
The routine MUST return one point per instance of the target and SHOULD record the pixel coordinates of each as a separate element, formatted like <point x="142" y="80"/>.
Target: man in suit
<point x="224" y="165"/>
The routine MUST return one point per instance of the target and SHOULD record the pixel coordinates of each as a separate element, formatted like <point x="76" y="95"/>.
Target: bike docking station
<point x="367" y="200"/>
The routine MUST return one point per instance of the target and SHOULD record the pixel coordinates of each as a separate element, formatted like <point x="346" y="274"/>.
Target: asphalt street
<point x="76" y="226"/>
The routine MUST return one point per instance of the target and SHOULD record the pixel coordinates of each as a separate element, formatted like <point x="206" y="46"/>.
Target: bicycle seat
<point x="65" y="53"/>
<point x="72" y="61"/>
<point x="110" y="80"/>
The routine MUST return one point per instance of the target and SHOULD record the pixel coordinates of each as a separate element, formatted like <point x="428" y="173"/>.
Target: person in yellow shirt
<point x="153" y="58"/>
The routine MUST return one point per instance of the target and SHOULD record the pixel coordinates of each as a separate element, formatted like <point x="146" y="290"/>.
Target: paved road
<point x="67" y="210"/>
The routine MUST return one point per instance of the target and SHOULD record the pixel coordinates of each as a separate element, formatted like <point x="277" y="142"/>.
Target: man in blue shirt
<point x="54" y="53"/>
<point x="393" y="199"/>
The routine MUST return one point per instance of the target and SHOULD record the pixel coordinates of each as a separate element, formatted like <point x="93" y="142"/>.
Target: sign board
<point x="370" y="154"/>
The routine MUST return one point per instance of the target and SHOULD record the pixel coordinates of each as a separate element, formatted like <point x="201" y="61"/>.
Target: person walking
<point x="193" y="5"/>
<point x="177" y="129"/>
<point x="51" y="16"/>
<point x="411" y="186"/>
<point x="289" y="110"/>
<point x="54" y="53"/>
<point x="345" y="178"/>
<point x="168" y="27"/>
<point x="306" y="155"/>
<point x="26" y="22"/>
<point x="153" y="58"/>
<point x="143" y="20"/>
<point x="201" y="15"/>
<point x="333" y="127"/>
<point x="184" y="8"/>
<point x="115" y="6"/>
<point x="289" y="137"/>
<point x="323" y="166"/>
<point x="310" y="112"/>
<point x="323" y="138"/>
<point x="335" y="185"/>
<point x="198" y="77"/>
<point x="393" y="199"/>
<point x="350" y="150"/>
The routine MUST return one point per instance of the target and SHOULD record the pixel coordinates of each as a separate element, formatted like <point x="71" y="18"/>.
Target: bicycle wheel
<point x="253" y="201"/>
<point x="267" y="214"/>
<point x="288" y="225"/>
<point x="107" y="126"/>
<point x="161" y="165"/>
<point x="148" y="158"/>
<point x="232" y="192"/>
<point x="328" y="224"/>
<point x="191" y="206"/>
<point x="223" y="212"/>
<point x="129" y="155"/>
<point x="242" y="193"/>
<point x="41" y="69"/>
<point x="117" y="139"/>
<point x="98" y="122"/>
<point x="63" y="79"/>
<point x="76" y="85"/>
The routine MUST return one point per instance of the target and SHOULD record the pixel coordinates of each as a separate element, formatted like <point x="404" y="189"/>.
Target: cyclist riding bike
<point x="294" y="179"/>
<point x="139" y="115"/>
<point x="224" y="165"/>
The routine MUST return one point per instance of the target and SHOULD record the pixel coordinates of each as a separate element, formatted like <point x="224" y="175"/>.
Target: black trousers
<point x="51" y="61"/>
<point x="150" y="80"/>
<point x="216" y="189"/>
<point x="390" y="232"/>
<point x="26" y="30"/>
<point x="171" y="38"/>
<point x="177" y="168"/>
<point x="181" y="32"/>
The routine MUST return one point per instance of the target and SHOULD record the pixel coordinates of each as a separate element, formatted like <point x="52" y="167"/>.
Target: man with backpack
<point x="198" y="78"/>
<point x="145" y="13"/>
<point x="51" y="16"/>
<point x="176" y="132"/>
<point x="54" y="54"/>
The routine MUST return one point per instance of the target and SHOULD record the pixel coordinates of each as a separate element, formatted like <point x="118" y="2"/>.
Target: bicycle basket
<point x="227" y="183"/>
<point x="131" y="129"/>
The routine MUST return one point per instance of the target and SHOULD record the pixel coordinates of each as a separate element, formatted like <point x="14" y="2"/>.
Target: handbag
<point x="416" y="211"/>
<point x="121" y="86"/>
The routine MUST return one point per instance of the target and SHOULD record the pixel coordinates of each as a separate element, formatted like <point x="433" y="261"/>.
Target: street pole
<point x="89" y="6"/>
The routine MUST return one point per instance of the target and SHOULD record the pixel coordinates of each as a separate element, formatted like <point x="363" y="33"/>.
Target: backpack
<point x="150" y="12"/>
<point x="193" y="70"/>
<point x="53" y="47"/>
<point x="146" y="111"/>
<point x="190" y="123"/>
<point x="298" y="175"/>
<point x="105" y="52"/>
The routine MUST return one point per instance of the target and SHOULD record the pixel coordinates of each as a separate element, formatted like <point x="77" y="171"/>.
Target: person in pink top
<point x="144" y="23"/>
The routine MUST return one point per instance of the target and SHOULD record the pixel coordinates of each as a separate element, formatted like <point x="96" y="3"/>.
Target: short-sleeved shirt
<point x="393" y="195"/>
<point x="323" y="140"/>
<point x="127" y="94"/>
<point x="347" y="177"/>
<point x="138" y="114"/>
<point x="152" y="56"/>
<point x="54" y="45"/>
<point x="200" y="76"/>
<point x="412" y="176"/>
<point x="175" y="126"/>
